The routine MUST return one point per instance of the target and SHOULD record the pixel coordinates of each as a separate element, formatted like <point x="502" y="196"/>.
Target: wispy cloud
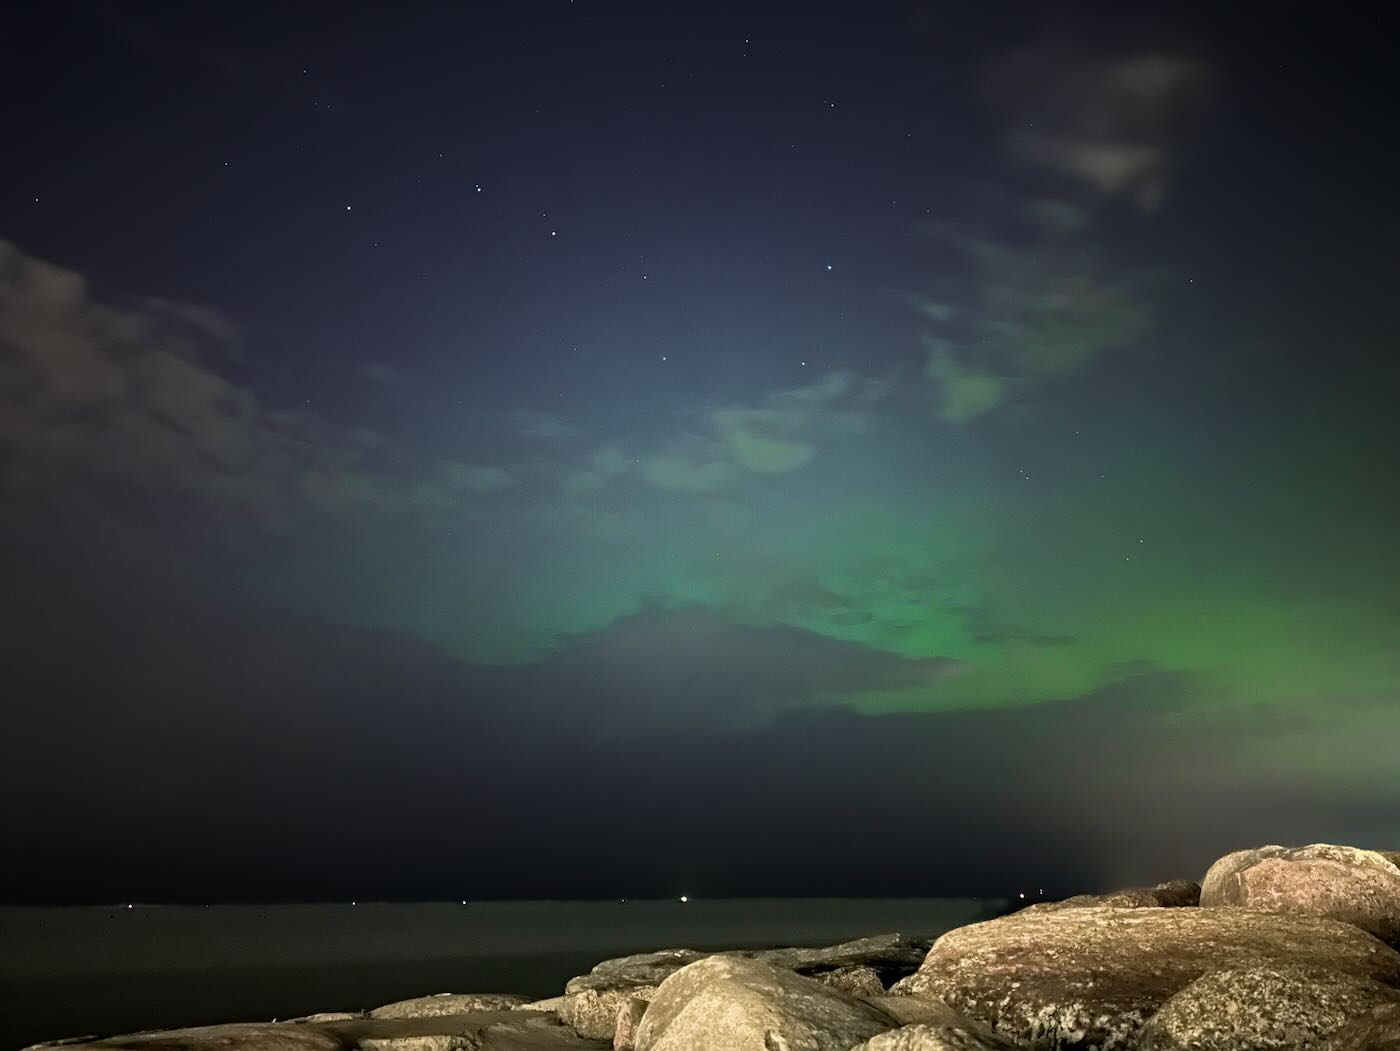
<point x="541" y="425"/>
<point x="726" y="443"/>
<point x="1025" y="313"/>
<point x="1107" y="123"/>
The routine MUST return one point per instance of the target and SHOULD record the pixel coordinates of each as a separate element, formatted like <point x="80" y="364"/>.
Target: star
<point x="347" y="207"/>
<point x="828" y="266"/>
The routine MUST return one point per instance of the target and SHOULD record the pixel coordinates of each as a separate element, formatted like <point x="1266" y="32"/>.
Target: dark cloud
<point x="984" y="629"/>
<point x="128" y="402"/>
<point x="321" y="757"/>
<point x="699" y="667"/>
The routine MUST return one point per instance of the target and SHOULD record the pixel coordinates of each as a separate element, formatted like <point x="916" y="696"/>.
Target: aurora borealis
<point x="970" y="435"/>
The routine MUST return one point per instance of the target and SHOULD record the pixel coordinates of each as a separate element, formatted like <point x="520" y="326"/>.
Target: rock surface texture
<point x="593" y="1013"/>
<point x="629" y="1019"/>
<point x="1261" y="1009"/>
<point x="1174" y="894"/>
<point x="1092" y="976"/>
<point x="272" y="1036"/>
<point x="858" y="981"/>
<point x="964" y="1037"/>
<point x="730" y="1004"/>
<point x="1360" y="887"/>
<point x="442" y="1004"/>
<point x="1378" y="1030"/>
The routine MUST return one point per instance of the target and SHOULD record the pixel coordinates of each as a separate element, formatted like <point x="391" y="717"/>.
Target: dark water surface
<point x="76" y="971"/>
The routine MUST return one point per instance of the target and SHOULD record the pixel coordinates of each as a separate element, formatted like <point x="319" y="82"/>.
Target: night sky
<point x="567" y="449"/>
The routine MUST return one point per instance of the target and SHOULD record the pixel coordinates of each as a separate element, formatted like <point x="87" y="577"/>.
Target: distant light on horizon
<point x="684" y="899"/>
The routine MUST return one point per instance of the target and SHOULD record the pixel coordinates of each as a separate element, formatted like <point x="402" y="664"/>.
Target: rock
<point x="903" y="987"/>
<point x="552" y="1004"/>
<point x="1361" y="887"/>
<point x="330" y="1016"/>
<point x="727" y="1003"/>
<point x="1260" y="1009"/>
<point x="629" y="1018"/>
<point x="441" y="1004"/>
<point x="591" y="1000"/>
<point x="592" y="1013"/>
<point x="268" y="1036"/>
<point x="422" y="1042"/>
<point x="1377" y="1031"/>
<point x="1094" y="975"/>
<point x="882" y="952"/>
<point x="650" y="968"/>
<point x="965" y="1037"/>
<point x="912" y="1010"/>
<point x="1177" y="893"/>
<point x="858" y="981"/>
<point x="1224" y="868"/>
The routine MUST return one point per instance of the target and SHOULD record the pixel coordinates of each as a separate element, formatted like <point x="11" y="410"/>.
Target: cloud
<point x="475" y="478"/>
<point x="127" y="401"/>
<point x="1108" y="124"/>
<point x="541" y="425"/>
<point x="778" y="435"/>
<point x="983" y="629"/>
<point x="1031" y="309"/>
<point x="690" y="466"/>
<point x="678" y="719"/>
<point x="962" y="394"/>
<point x="700" y="666"/>
<point x="741" y="431"/>
<point x="379" y="372"/>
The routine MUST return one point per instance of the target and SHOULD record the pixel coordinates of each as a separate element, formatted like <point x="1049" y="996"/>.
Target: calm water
<point x="68" y="972"/>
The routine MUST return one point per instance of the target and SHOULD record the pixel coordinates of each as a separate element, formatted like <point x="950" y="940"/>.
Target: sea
<point x="67" y="972"/>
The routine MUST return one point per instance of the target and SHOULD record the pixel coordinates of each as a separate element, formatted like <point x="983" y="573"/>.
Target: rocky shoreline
<point x="1276" y="948"/>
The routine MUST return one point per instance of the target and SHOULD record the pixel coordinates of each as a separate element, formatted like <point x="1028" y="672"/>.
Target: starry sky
<point x="585" y="449"/>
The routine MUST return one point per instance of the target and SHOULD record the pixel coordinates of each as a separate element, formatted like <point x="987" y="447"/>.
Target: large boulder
<point x="964" y="1036"/>
<point x="1177" y="893"/>
<point x="727" y="1003"/>
<point x="441" y="1004"/>
<point x="1361" y="887"/>
<point x="1378" y="1030"/>
<point x="1224" y="868"/>
<point x="1261" y="1009"/>
<point x="863" y="966"/>
<point x="1092" y="976"/>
